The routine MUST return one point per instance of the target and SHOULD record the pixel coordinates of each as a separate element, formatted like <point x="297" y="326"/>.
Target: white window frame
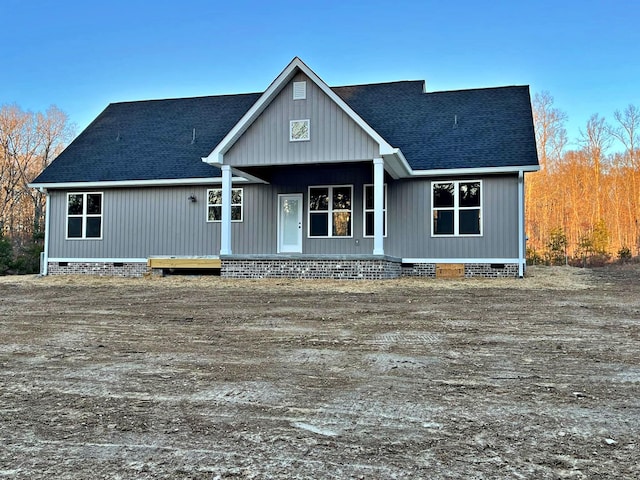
<point x="300" y="90"/>
<point x="329" y="211"/>
<point x="84" y="215"/>
<point x="366" y="210"/>
<point x="241" y="204"/>
<point x="302" y="120"/>
<point x="457" y="208"/>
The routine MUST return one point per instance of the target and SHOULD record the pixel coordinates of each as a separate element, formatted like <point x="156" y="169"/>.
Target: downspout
<point x="521" y="251"/>
<point x="47" y="219"/>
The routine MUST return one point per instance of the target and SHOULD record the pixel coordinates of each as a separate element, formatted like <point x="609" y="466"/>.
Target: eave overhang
<point x="134" y="183"/>
<point x="439" y="172"/>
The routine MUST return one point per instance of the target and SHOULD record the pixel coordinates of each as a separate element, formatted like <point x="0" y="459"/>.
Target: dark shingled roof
<point x="152" y="140"/>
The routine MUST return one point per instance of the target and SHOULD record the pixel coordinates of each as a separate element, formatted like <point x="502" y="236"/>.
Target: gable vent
<point x="299" y="90"/>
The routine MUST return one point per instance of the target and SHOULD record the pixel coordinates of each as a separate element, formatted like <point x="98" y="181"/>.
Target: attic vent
<point x="299" y="90"/>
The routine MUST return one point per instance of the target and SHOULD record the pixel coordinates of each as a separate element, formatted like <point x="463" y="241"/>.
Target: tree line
<point x="583" y="206"/>
<point x="28" y="142"/>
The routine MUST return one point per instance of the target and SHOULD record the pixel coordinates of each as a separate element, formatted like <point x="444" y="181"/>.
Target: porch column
<point x="378" y="206"/>
<point x="225" y="234"/>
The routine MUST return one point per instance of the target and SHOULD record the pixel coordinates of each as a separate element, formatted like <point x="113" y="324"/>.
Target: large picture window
<point x="457" y="208"/>
<point x="330" y="211"/>
<point x="214" y="205"/>
<point x="369" y="211"/>
<point x="84" y="215"/>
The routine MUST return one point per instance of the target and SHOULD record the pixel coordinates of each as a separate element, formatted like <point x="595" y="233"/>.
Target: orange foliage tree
<point x="589" y="197"/>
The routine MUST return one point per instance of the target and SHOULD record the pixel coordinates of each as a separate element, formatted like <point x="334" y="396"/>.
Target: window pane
<point x="236" y="212"/>
<point x="215" y="213"/>
<point x="75" y="205"/>
<point x="93" y="227"/>
<point x="368" y="224"/>
<point x="319" y="225"/>
<point x="236" y="196"/>
<point x="319" y="199"/>
<point x="470" y="222"/>
<point x="94" y="204"/>
<point x="470" y="194"/>
<point x="342" y="198"/>
<point x="74" y="227"/>
<point x="341" y="224"/>
<point x="443" y="222"/>
<point x="443" y="195"/>
<point x="215" y="197"/>
<point x="368" y="197"/>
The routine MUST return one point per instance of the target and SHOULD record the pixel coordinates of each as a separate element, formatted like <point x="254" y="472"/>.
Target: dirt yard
<point x="204" y="378"/>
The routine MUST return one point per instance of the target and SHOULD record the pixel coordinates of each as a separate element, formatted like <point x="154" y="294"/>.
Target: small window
<point x="330" y="211"/>
<point x="456" y="208"/>
<point x="299" y="130"/>
<point x="84" y="215"/>
<point x="369" y="213"/>
<point x="214" y="205"/>
<point x="299" y="90"/>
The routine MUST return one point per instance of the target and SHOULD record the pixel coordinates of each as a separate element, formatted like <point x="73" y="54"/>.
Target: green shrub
<point x="6" y="255"/>
<point x="624" y="254"/>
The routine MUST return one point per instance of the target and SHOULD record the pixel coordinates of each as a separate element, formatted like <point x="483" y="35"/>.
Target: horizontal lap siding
<point x="334" y="135"/>
<point x="410" y="222"/>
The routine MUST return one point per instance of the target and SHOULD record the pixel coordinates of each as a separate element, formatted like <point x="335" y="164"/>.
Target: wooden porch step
<point x="184" y="262"/>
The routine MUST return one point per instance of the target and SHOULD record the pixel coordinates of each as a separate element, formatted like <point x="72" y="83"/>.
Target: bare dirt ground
<point x="204" y="378"/>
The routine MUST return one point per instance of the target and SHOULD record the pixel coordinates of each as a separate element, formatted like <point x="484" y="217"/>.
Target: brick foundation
<point x="360" y="269"/>
<point x="373" y="268"/>
<point x="471" y="270"/>
<point x="103" y="269"/>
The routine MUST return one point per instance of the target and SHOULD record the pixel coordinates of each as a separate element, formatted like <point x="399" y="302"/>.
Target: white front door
<point x="290" y="223"/>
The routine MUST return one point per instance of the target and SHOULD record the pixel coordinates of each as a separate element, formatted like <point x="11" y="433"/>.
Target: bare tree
<point x="551" y="135"/>
<point x="595" y="140"/>
<point x="28" y="143"/>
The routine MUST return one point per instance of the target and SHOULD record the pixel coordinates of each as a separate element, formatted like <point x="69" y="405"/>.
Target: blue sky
<point x="83" y="55"/>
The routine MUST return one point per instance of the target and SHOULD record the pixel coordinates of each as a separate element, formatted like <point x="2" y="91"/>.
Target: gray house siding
<point x="409" y="220"/>
<point x="258" y="234"/>
<point x="138" y="223"/>
<point x="143" y="222"/>
<point x="334" y="136"/>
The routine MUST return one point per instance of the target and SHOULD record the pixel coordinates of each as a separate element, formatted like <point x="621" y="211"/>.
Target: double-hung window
<point x="369" y="211"/>
<point x="330" y="210"/>
<point x="456" y="208"/>
<point x="214" y="205"/>
<point x="84" y="215"/>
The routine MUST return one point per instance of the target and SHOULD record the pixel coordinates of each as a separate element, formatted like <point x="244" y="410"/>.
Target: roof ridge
<point x="197" y="97"/>
<point x="479" y="89"/>
<point x="378" y="83"/>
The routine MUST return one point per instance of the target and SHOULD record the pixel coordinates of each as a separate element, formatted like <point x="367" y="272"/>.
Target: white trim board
<point x="459" y="260"/>
<point x="98" y="260"/>
<point x="136" y="183"/>
<point x="473" y="171"/>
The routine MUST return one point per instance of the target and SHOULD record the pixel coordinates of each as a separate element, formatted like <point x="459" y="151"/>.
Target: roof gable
<point x="296" y="65"/>
<point x="333" y="135"/>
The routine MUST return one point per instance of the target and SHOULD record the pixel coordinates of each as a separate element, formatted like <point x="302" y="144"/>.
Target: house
<point x="302" y="180"/>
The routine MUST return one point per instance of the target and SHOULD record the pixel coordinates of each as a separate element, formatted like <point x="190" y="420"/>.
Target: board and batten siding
<point x="334" y="136"/>
<point x="159" y="221"/>
<point x="138" y="223"/>
<point x="409" y="218"/>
